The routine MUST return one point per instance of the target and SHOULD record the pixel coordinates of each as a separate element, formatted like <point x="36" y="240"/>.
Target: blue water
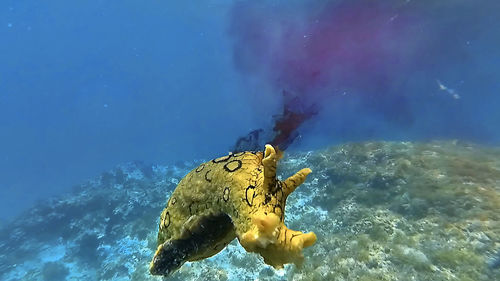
<point x="85" y="85"/>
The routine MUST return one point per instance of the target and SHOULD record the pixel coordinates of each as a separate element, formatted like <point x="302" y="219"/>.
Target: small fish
<point x="450" y="91"/>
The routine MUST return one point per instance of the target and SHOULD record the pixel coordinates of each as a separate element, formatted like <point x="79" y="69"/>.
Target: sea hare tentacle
<point x="234" y="196"/>
<point x="290" y="184"/>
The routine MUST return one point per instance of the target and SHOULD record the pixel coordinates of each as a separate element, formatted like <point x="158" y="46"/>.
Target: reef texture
<point x="381" y="211"/>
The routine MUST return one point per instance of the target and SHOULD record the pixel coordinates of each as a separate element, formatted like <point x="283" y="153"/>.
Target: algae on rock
<point x="381" y="211"/>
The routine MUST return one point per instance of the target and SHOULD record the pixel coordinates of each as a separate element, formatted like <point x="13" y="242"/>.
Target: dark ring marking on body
<point x="200" y="168"/>
<point x="207" y="177"/>
<point x="250" y="202"/>
<point x="232" y="165"/>
<point x="173" y="201"/>
<point x="167" y="218"/>
<point x="278" y="233"/>
<point x="222" y="159"/>
<point x="225" y="194"/>
<point x="286" y="230"/>
<point x="293" y="236"/>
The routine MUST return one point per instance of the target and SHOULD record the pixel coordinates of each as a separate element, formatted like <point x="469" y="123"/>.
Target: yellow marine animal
<point x="234" y="196"/>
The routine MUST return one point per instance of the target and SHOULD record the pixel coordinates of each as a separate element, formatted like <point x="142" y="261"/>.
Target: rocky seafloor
<point x="381" y="211"/>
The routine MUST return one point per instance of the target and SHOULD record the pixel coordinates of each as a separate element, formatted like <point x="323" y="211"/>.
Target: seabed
<point x="381" y="211"/>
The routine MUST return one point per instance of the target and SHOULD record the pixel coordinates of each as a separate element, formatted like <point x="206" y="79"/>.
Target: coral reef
<point x="381" y="211"/>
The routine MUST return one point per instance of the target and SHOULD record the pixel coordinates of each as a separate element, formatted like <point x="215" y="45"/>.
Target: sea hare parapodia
<point x="236" y="195"/>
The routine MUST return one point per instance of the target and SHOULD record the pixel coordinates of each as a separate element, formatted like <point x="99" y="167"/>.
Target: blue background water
<point x="87" y="85"/>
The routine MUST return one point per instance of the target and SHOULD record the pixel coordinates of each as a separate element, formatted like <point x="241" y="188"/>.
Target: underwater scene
<point x="250" y="140"/>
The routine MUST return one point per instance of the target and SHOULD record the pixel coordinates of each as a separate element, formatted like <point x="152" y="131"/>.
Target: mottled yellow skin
<point x="244" y="187"/>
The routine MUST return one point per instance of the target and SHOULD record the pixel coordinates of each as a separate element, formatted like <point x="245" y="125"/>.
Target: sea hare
<point x="234" y="196"/>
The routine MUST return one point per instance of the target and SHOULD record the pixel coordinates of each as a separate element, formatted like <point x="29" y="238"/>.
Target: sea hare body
<point x="234" y="196"/>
